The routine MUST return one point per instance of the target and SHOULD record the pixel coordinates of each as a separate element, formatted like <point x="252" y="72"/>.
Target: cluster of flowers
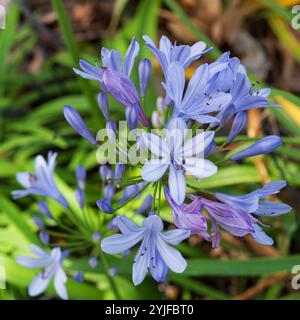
<point x="218" y="94"/>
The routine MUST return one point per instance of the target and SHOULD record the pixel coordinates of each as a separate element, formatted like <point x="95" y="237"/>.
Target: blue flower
<point x="146" y="205"/>
<point x="254" y="203"/>
<point x="177" y="156"/>
<point x="155" y="252"/>
<point x="110" y="59"/>
<point x="44" y="209"/>
<point x="144" y="75"/>
<point x="262" y="146"/>
<point x="89" y="71"/>
<point x="41" y="182"/>
<point x="52" y="265"/>
<point x="76" y="122"/>
<point x="78" y="277"/>
<point x="79" y="192"/>
<point x="124" y="91"/>
<point x="196" y="103"/>
<point x="43" y="234"/>
<point x="189" y="216"/>
<point x="168" y="53"/>
<point x="93" y="262"/>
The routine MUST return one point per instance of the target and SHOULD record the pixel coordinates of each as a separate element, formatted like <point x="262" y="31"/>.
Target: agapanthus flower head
<point x="52" y="269"/>
<point x="155" y="252"/>
<point x="41" y="182"/>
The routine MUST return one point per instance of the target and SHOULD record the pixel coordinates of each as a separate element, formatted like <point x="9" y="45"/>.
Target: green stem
<point x="109" y="277"/>
<point x="126" y="202"/>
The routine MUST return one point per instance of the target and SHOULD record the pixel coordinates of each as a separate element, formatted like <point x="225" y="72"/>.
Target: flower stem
<point x="109" y="277"/>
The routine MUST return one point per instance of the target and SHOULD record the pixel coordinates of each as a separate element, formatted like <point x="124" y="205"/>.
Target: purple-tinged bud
<point x="78" y="277"/>
<point x="113" y="271"/>
<point x="105" y="173"/>
<point x="129" y="192"/>
<point x="113" y="224"/>
<point x="96" y="236"/>
<point x="38" y="222"/>
<point x="111" y="129"/>
<point x="80" y="177"/>
<point x="265" y="145"/>
<point x="44" y="237"/>
<point x="103" y="105"/>
<point x="80" y="196"/>
<point x="76" y="122"/>
<point x="156" y="119"/>
<point x="93" y="262"/>
<point x="119" y="170"/>
<point x="237" y="125"/>
<point x="160" y="104"/>
<point x="124" y="91"/>
<point x="132" y="117"/>
<point x="105" y="206"/>
<point x="146" y="205"/>
<point x="43" y="207"/>
<point x="144" y="75"/>
<point x="109" y="192"/>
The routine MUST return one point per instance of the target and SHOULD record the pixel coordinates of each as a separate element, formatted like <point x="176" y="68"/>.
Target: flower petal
<point x="119" y="242"/>
<point x="60" y="280"/>
<point x="38" y="285"/>
<point x="271" y="208"/>
<point x="175" y="236"/>
<point x="177" y="184"/>
<point x="200" y="168"/>
<point x="126" y="225"/>
<point x="196" y="146"/>
<point x="154" y="169"/>
<point x="156" y="145"/>
<point x="260" y="236"/>
<point x="172" y="257"/>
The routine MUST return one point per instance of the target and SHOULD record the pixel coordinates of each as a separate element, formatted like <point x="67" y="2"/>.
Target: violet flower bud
<point x="80" y="177"/>
<point x="132" y="117"/>
<point x="105" y="206"/>
<point x="144" y="75"/>
<point x="78" y="277"/>
<point x="76" y="122"/>
<point x="80" y="195"/>
<point x="111" y="129"/>
<point x="43" y="207"/>
<point x="103" y="105"/>
<point x="119" y="170"/>
<point x="264" y="145"/>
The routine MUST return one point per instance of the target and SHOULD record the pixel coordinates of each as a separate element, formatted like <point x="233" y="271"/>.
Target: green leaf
<point x="226" y="177"/>
<point x="250" y="267"/>
<point x="15" y="215"/>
